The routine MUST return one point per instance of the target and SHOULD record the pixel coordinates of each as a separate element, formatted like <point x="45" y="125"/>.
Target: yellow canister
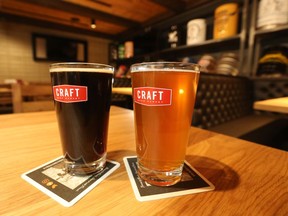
<point x="225" y="20"/>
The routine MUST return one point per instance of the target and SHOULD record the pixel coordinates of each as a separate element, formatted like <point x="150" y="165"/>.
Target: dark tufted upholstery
<point x="224" y="104"/>
<point x="122" y="82"/>
<point x="266" y="88"/>
<point x="221" y="98"/>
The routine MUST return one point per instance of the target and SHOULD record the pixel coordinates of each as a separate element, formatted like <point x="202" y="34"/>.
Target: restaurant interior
<point x="241" y="66"/>
<point x="241" y="46"/>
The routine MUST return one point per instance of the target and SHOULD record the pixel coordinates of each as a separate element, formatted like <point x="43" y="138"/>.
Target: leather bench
<point x="224" y="104"/>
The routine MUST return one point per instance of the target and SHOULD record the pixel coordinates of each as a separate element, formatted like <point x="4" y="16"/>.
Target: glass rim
<point x="81" y="67"/>
<point x="165" y="66"/>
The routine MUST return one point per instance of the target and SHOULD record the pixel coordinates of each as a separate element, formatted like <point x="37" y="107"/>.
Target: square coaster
<point x="66" y="189"/>
<point x="192" y="182"/>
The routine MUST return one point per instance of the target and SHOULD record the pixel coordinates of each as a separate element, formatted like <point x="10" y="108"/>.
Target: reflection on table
<point x="250" y="179"/>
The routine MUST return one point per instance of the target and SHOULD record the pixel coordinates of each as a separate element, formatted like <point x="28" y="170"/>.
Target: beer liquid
<point x="162" y="132"/>
<point x="84" y="125"/>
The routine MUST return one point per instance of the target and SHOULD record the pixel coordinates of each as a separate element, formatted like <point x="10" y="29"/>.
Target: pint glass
<point x="82" y="93"/>
<point x="164" y="95"/>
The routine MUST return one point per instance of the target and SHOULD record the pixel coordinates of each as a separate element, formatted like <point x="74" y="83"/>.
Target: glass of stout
<point x="82" y="93"/>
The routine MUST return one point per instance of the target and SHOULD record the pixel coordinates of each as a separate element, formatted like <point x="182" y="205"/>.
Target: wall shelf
<point x="211" y="45"/>
<point x="261" y="38"/>
<point x="270" y="32"/>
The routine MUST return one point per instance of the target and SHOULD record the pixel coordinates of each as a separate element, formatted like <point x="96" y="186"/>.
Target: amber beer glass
<point x="164" y="95"/>
<point x="82" y="93"/>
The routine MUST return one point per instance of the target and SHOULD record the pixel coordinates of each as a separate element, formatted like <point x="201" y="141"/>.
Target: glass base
<point x="74" y="168"/>
<point x="159" y="178"/>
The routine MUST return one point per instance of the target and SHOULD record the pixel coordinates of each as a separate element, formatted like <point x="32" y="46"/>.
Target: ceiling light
<point x="93" y="23"/>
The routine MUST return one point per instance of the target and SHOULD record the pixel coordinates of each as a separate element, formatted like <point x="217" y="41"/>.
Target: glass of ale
<point x="82" y="93"/>
<point x="163" y="99"/>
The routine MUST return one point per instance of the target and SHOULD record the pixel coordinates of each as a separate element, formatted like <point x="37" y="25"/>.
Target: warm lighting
<point x="93" y="23"/>
<point x="181" y="91"/>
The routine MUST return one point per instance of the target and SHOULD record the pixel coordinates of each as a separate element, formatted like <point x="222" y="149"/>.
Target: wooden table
<point x="122" y="90"/>
<point x="273" y="105"/>
<point x="250" y="179"/>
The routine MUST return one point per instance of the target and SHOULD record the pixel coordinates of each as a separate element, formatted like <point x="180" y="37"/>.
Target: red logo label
<point x="151" y="96"/>
<point x="70" y="93"/>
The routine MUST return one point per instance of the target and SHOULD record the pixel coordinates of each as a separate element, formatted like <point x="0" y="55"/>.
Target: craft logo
<point x="151" y="96"/>
<point x="70" y="93"/>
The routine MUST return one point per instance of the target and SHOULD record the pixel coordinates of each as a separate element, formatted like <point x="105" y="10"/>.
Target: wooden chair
<point x="32" y="97"/>
<point x="5" y="99"/>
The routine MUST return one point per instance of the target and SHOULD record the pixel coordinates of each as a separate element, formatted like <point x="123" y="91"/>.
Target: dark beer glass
<point x="82" y="93"/>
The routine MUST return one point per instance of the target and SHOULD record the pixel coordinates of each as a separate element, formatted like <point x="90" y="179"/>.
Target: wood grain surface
<point x="122" y="90"/>
<point x="250" y="179"/>
<point x="273" y="105"/>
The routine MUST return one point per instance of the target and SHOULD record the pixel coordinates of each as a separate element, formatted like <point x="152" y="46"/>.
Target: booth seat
<point x="224" y="104"/>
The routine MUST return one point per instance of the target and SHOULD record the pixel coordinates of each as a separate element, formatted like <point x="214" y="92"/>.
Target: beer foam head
<point x="81" y="67"/>
<point x="165" y="66"/>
